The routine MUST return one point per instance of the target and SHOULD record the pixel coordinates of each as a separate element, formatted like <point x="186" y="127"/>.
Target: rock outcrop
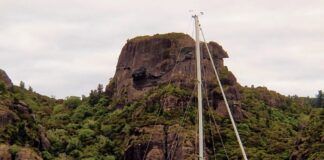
<point x="45" y="143"/>
<point x="4" y="78"/>
<point x="7" y="116"/>
<point x="165" y="143"/>
<point x="147" y="62"/>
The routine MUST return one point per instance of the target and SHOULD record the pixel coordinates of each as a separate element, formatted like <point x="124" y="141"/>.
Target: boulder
<point x="45" y="143"/>
<point x="7" y="116"/>
<point x="22" y="109"/>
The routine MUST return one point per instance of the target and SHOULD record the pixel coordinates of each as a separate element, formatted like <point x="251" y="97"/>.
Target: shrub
<point x="85" y="134"/>
<point x="76" y="153"/>
<point x="14" y="149"/>
<point x="2" y="88"/>
<point x="72" y="102"/>
<point x="73" y="143"/>
<point x="58" y="139"/>
<point x="89" y="123"/>
<point x="22" y="84"/>
<point x="94" y="97"/>
<point x="109" y="157"/>
<point x="106" y="129"/>
<point x="58" y="109"/>
<point x="46" y="155"/>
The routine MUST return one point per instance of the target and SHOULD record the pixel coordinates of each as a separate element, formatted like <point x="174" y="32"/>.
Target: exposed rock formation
<point x="5" y="79"/>
<point x="45" y="143"/>
<point x="151" y="61"/>
<point x="23" y="110"/>
<point x="7" y="116"/>
<point x="146" y="62"/>
<point x="165" y="143"/>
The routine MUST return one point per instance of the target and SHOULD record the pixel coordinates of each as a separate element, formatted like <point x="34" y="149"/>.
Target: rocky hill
<point x="22" y="135"/>
<point x="148" y="111"/>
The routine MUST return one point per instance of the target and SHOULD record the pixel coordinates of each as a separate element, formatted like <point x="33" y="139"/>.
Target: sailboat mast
<point x="200" y="108"/>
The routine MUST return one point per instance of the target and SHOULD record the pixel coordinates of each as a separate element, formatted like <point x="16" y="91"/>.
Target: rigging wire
<point x="216" y="125"/>
<point x="204" y="88"/>
<point x="151" y="136"/>
<point x="225" y="99"/>
<point x="171" y="154"/>
<point x="212" y="116"/>
<point x="220" y="136"/>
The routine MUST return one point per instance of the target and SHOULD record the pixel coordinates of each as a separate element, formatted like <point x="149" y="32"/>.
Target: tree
<point x="100" y="89"/>
<point x="2" y="88"/>
<point x="93" y="97"/>
<point x="22" y="84"/>
<point x="319" y="99"/>
<point x="72" y="102"/>
<point x="30" y="89"/>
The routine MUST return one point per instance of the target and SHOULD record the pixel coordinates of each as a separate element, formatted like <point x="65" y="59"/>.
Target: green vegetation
<point x="319" y="99"/>
<point x="98" y="127"/>
<point x="165" y="36"/>
<point x="2" y="88"/>
<point x="22" y="84"/>
<point x="72" y="102"/>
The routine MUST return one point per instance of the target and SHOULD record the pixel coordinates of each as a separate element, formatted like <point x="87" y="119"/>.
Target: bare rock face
<point x="165" y="143"/>
<point x="7" y="117"/>
<point x="151" y="61"/>
<point x="4" y="78"/>
<point x="22" y="109"/>
<point x="146" y="62"/>
<point x="45" y="143"/>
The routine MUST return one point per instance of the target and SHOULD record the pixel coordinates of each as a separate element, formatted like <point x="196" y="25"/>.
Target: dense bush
<point x="85" y="134"/>
<point x="72" y="102"/>
<point x="98" y="127"/>
<point x="2" y="88"/>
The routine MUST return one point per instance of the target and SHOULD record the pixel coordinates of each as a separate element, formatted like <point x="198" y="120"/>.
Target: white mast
<point x="200" y="108"/>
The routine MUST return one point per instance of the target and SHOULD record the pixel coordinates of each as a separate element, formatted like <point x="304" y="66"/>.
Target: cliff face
<point x="148" y="62"/>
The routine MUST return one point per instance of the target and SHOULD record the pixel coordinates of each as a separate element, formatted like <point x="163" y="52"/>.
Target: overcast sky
<point x="67" y="47"/>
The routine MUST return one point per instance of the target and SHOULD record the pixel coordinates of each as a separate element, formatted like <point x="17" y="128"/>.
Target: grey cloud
<point x="67" y="47"/>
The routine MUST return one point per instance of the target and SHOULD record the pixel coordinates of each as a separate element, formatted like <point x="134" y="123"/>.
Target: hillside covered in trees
<point x="148" y="111"/>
